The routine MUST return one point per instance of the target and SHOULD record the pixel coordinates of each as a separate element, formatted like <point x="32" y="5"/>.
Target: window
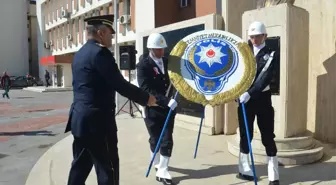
<point x="59" y="39"/>
<point x="67" y="31"/>
<point x="106" y="10"/>
<point x="58" y="13"/>
<point x="83" y="23"/>
<point x="63" y="35"/>
<point x="54" y="35"/>
<point x="95" y="12"/>
<point x="82" y="3"/>
<point x="77" y="25"/>
<point x="184" y="3"/>
<point x="74" y="5"/>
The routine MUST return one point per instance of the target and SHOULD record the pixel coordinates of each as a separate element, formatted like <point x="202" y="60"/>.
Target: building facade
<point x="33" y="59"/>
<point x="62" y="32"/>
<point x="14" y="50"/>
<point x="62" y="28"/>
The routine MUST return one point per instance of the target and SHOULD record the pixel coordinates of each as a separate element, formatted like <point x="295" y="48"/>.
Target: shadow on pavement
<point x="318" y="172"/>
<point x="28" y="133"/>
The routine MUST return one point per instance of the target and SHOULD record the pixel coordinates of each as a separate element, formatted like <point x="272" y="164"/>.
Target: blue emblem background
<point x="208" y="83"/>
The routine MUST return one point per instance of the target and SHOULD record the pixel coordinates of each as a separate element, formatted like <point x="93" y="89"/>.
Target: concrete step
<point x="308" y="155"/>
<point x="297" y="143"/>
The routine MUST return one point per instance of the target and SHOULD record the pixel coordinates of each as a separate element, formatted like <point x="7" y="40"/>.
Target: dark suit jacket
<point x="152" y="80"/>
<point x="96" y="78"/>
<point x="5" y="80"/>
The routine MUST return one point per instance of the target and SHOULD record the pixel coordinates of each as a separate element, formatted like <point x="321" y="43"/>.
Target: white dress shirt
<point x="256" y="49"/>
<point x="158" y="61"/>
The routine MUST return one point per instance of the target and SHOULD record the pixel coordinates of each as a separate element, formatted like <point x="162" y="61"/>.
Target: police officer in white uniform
<point x="258" y="104"/>
<point x="152" y="76"/>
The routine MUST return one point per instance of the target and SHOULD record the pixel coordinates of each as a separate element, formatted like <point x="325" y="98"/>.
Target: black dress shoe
<point x="245" y="177"/>
<point x="274" y="182"/>
<point x="158" y="179"/>
<point x="165" y="181"/>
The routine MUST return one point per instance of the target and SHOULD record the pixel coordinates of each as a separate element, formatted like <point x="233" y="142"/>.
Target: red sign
<point x="49" y="60"/>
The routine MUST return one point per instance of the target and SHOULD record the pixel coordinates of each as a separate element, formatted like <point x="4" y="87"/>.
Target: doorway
<point x="59" y="76"/>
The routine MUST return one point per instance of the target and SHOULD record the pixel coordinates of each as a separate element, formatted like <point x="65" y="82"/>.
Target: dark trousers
<point x="47" y="82"/>
<point x="154" y="127"/>
<point x="100" y="152"/>
<point x="5" y="94"/>
<point x="262" y="108"/>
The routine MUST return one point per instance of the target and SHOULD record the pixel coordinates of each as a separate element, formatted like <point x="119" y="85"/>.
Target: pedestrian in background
<point x="6" y="84"/>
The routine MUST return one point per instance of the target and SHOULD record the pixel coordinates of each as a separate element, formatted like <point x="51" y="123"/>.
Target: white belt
<point x="268" y="63"/>
<point x="266" y="88"/>
<point x="167" y="92"/>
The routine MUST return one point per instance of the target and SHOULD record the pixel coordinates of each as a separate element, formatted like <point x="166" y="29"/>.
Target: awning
<point x="56" y="59"/>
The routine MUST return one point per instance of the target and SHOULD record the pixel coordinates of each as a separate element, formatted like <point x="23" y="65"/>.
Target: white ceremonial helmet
<point x="257" y="28"/>
<point x="156" y="41"/>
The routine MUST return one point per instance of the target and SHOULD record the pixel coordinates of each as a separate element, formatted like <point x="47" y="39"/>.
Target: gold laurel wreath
<point x="192" y="95"/>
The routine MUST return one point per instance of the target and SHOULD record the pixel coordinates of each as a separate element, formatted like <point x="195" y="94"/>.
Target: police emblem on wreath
<point x="212" y="67"/>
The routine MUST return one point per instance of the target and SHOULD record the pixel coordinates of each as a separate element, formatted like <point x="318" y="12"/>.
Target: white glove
<point x="143" y="112"/>
<point x="172" y="104"/>
<point x="244" y="98"/>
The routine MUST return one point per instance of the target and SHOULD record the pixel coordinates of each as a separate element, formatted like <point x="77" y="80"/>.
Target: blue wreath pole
<point x="199" y="134"/>
<point x="160" y="138"/>
<point x="249" y="144"/>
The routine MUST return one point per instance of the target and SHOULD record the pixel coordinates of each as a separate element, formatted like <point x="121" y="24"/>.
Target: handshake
<point x="152" y="102"/>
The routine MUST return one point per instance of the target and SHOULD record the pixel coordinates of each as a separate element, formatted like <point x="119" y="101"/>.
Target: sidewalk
<point x="214" y="165"/>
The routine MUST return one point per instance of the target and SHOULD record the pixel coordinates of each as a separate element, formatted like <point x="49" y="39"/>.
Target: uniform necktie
<point x="160" y="64"/>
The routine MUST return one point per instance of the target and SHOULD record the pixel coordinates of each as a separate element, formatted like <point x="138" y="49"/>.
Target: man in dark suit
<point x="92" y="122"/>
<point x="47" y="78"/>
<point x="6" y="84"/>
<point x="152" y="76"/>
<point x="258" y="104"/>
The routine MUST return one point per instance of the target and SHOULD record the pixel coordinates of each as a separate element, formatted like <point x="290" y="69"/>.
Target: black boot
<point x="245" y="177"/>
<point x="165" y="181"/>
<point x="274" y="182"/>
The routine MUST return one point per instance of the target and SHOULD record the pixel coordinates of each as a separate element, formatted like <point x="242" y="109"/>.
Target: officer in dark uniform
<point x="92" y="122"/>
<point x="258" y="103"/>
<point x="152" y="75"/>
